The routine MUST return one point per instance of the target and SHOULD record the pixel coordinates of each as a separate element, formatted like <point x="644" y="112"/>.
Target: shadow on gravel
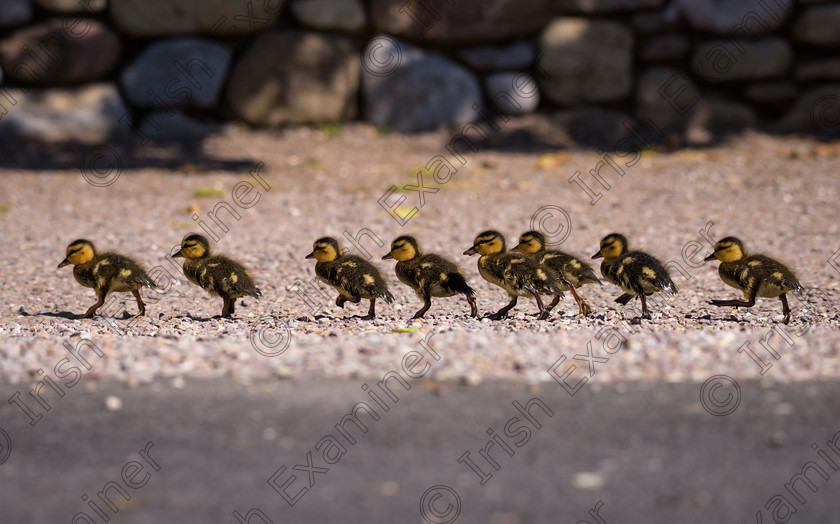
<point x="184" y="155"/>
<point x="54" y="314"/>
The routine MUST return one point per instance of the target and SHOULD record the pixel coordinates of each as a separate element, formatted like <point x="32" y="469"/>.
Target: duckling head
<point x="193" y="246"/>
<point x="325" y="250"/>
<point x="78" y="252"/>
<point x="612" y="246"/>
<point x="487" y="243"/>
<point x="403" y="248"/>
<point x="729" y="249"/>
<point x="531" y="242"/>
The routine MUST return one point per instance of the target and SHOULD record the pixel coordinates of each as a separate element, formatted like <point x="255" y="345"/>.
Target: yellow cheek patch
<point x="125" y="272"/>
<point x="649" y="272"/>
<point x="368" y="279"/>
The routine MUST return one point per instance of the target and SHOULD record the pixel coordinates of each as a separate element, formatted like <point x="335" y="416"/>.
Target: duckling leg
<point x="140" y="305"/>
<point x="502" y="313"/>
<point x="785" y="308"/>
<point x="427" y="303"/>
<point x="92" y="310"/>
<point x="583" y="307"/>
<point x="554" y="302"/>
<point x="645" y="313"/>
<point x="473" y="306"/>
<point x="225" y="307"/>
<point x="232" y="305"/>
<point x="371" y="311"/>
<point x="543" y="311"/>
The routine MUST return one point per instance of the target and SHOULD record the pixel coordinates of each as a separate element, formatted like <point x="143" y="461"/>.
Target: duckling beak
<point x="178" y="255"/>
<point x="515" y="249"/>
<point x="389" y="256"/>
<point x="310" y="255"/>
<point x="598" y="255"/>
<point x="710" y="257"/>
<point x="63" y="263"/>
<point x="471" y="251"/>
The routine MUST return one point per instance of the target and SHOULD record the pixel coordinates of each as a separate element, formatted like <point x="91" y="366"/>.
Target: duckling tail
<point x="255" y="292"/>
<point x="669" y="287"/>
<point x="457" y="283"/>
<point x="386" y="296"/>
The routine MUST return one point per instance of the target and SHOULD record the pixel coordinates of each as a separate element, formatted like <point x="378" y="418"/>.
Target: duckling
<point x="354" y="277"/>
<point x="106" y="273"/>
<point x="514" y="272"/>
<point x="575" y="271"/>
<point x="755" y="275"/>
<point x="635" y="272"/>
<point x="216" y="274"/>
<point x="428" y="274"/>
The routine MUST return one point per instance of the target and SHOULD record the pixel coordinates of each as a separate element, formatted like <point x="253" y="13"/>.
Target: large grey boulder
<point x="740" y="60"/>
<point x="736" y="18"/>
<point x="667" y="97"/>
<point x="222" y="18"/>
<point x="818" y="25"/>
<point x="513" y="93"/>
<point x="179" y="72"/>
<point x="585" y="61"/>
<point x="510" y="57"/>
<point x="91" y="114"/>
<point x="817" y="111"/>
<point x="15" y="13"/>
<point x="330" y="15"/>
<point x="60" y="51"/>
<point x="425" y="91"/>
<point x="461" y="22"/>
<point x="295" y="77"/>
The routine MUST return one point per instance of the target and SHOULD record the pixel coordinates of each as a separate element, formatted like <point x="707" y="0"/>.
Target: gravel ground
<point x="778" y="194"/>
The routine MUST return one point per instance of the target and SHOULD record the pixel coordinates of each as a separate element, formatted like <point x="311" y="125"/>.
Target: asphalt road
<point x="638" y="452"/>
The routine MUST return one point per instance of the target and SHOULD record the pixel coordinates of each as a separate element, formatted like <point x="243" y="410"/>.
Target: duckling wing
<point x="115" y="272"/>
<point x="234" y="279"/>
<point x="570" y="267"/>
<point x="439" y="274"/>
<point x="645" y="274"/>
<point x="360" y="278"/>
<point x="520" y="273"/>
<point x="770" y="277"/>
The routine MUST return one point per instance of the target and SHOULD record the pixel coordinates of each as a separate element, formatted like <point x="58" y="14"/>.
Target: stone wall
<point x="90" y="70"/>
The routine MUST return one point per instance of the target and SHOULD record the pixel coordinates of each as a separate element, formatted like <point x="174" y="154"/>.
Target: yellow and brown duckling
<point x="354" y="277"/>
<point x="514" y="272"/>
<point x="106" y="273"/>
<point x="575" y="271"/>
<point x="217" y="274"/>
<point x="635" y="272"/>
<point x="755" y="275"/>
<point x="428" y="274"/>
